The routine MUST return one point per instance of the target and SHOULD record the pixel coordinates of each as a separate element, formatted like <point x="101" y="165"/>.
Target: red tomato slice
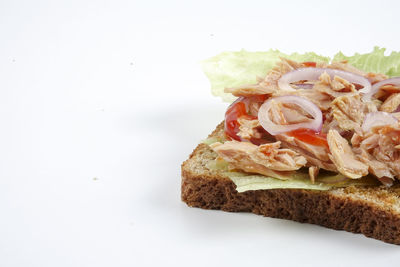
<point x="310" y="137"/>
<point x="310" y="64"/>
<point x="239" y="109"/>
<point x="234" y="112"/>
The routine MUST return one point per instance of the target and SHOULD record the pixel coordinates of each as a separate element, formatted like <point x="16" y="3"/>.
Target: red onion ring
<point x="379" y="118"/>
<point x="307" y="105"/>
<point x="375" y="87"/>
<point x="304" y="85"/>
<point x="314" y="74"/>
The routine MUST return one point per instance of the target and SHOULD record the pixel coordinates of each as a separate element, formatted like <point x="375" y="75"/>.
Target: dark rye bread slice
<point x="372" y="211"/>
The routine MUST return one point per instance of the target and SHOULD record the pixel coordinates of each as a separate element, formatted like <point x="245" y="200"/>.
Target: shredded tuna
<point x="293" y="114"/>
<point x="269" y="85"/>
<point x="248" y="129"/>
<point x="344" y="158"/>
<point x="348" y="151"/>
<point x="275" y="113"/>
<point x="267" y="159"/>
<point x="336" y="87"/>
<point x="315" y="155"/>
<point x="377" y="168"/>
<point x="341" y="85"/>
<point x="384" y="149"/>
<point x="318" y="97"/>
<point x="343" y="65"/>
<point x="249" y="90"/>
<point x="331" y="124"/>
<point x="366" y="147"/>
<point x="349" y="111"/>
<point x="386" y="90"/>
<point x="375" y="77"/>
<point x="391" y="103"/>
<point x="287" y="114"/>
<point x="282" y="67"/>
<point x="325" y="90"/>
<point x="254" y="107"/>
<point x="313" y="172"/>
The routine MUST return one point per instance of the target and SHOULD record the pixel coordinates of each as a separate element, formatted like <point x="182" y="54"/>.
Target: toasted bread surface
<point x="372" y="211"/>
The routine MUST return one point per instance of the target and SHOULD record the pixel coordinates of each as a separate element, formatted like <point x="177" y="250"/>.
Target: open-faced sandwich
<point x="314" y="140"/>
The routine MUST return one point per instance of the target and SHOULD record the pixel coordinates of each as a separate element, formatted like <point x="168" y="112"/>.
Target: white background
<point x="101" y="101"/>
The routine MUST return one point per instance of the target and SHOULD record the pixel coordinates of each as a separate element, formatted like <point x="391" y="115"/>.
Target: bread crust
<point x="350" y="209"/>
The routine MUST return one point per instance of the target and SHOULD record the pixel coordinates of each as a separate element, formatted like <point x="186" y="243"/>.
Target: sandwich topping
<point x="315" y="116"/>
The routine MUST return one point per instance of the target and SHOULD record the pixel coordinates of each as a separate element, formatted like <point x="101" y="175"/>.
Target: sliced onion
<point x="375" y="87"/>
<point x="307" y="105"/>
<point x="379" y="118"/>
<point x="314" y="73"/>
<point x="304" y="85"/>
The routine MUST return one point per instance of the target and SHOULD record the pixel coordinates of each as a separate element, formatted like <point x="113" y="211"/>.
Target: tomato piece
<point x="310" y="64"/>
<point x="240" y="109"/>
<point x="358" y="86"/>
<point x="235" y="111"/>
<point x="310" y="137"/>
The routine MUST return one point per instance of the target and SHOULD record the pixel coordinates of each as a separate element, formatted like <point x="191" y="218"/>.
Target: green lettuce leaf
<point x="245" y="182"/>
<point x="230" y="69"/>
<point x="299" y="180"/>
<point x="375" y="61"/>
